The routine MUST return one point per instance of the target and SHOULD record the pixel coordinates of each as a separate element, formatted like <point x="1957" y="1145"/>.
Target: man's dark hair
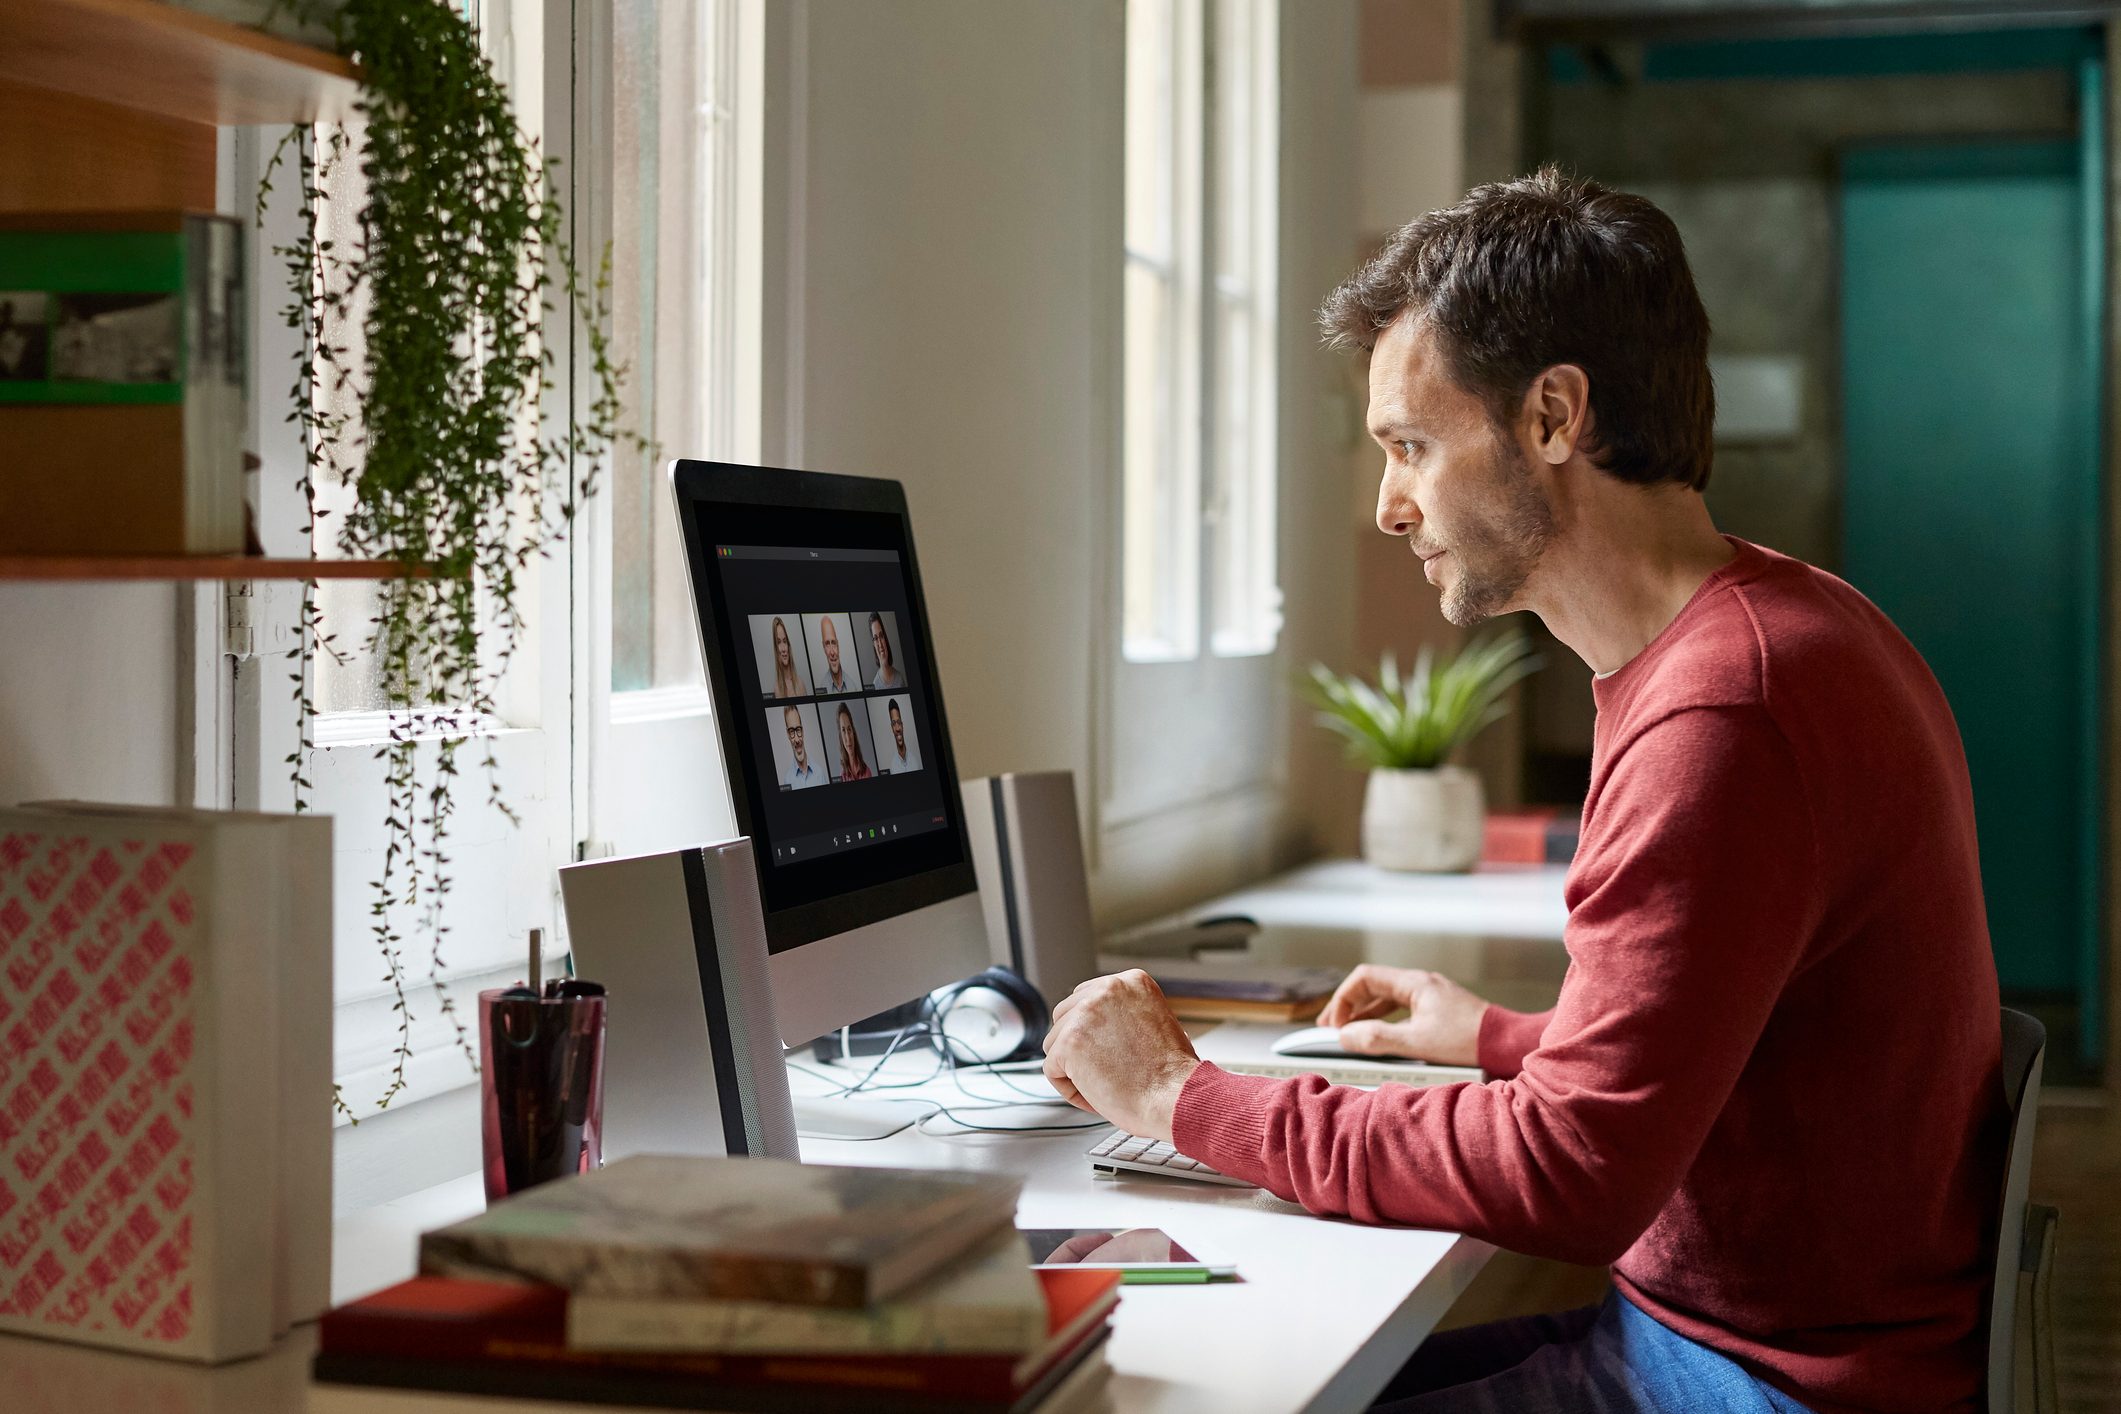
<point x="1548" y="269"/>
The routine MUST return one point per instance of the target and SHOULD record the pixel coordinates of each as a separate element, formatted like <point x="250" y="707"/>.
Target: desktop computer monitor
<point x="833" y="736"/>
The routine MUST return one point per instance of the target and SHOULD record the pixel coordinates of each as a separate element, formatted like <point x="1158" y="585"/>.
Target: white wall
<point x="949" y="286"/>
<point x="960" y="244"/>
<point x="1409" y="140"/>
<point x="88" y="692"/>
<point x="1321" y="415"/>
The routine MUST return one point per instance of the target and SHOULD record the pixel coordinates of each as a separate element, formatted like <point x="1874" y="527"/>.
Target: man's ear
<point x="1557" y="412"/>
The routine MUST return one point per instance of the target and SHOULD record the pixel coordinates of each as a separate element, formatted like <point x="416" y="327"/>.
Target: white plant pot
<point x="1426" y="822"/>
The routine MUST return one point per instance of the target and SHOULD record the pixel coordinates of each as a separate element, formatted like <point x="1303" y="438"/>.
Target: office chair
<point x="2025" y="1244"/>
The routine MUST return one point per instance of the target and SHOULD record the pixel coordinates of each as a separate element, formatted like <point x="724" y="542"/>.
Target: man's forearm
<point x="1507" y="1037"/>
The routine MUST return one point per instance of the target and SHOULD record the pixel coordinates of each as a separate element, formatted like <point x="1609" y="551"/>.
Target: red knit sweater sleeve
<point x="1691" y="900"/>
<point x="1507" y="1037"/>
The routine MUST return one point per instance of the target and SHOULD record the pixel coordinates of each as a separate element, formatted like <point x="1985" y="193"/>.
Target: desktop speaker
<point x="692" y="1061"/>
<point x="1027" y="851"/>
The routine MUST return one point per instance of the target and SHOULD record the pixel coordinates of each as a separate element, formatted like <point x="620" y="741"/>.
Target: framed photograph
<point x="117" y="338"/>
<point x="25" y="336"/>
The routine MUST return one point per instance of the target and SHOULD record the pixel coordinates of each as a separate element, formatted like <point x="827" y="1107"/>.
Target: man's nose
<point x="1396" y="512"/>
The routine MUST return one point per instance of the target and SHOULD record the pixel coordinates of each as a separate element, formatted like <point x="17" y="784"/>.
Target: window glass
<point x="1198" y="482"/>
<point x="673" y="307"/>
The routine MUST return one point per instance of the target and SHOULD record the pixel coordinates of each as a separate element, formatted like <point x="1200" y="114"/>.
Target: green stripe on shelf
<point x="90" y="394"/>
<point x="65" y="262"/>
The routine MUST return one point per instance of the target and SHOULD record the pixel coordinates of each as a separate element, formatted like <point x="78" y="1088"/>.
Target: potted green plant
<point x="441" y="324"/>
<point x="1421" y="812"/>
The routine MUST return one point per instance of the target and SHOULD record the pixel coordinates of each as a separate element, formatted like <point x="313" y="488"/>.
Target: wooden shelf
<point x="179" y="567"/>
<point x="158" y="58"/>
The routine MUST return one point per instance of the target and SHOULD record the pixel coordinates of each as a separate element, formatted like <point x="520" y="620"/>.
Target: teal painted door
<point x="1972" y="505"/>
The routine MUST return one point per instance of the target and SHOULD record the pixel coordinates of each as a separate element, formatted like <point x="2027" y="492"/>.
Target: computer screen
<point x="832" y="722"/>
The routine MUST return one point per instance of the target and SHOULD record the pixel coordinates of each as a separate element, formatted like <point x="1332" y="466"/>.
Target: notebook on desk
<point x="1246" y="1048"/>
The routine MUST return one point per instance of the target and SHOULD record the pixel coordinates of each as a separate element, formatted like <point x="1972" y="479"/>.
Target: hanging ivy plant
<point x="465" y="292"/>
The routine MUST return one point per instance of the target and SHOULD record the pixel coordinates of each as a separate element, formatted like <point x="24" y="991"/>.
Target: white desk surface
<point x="1325" y="1311"/>
<point x="1506" y="901"/>
<point x="1497" y="931"/>
<point x="1324" y="1314"/>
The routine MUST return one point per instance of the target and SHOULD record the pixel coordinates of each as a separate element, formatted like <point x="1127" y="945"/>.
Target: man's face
<point x="1454" y="484"/>
<point x="831" y="636"/>
<point x="898" y="729"/>
<point x="793" y="720"/>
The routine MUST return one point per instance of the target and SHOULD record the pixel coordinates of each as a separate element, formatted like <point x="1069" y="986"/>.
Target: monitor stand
<point x="853" y="1117"/>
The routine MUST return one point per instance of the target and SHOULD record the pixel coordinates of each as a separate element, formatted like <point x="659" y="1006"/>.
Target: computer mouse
<point x="1321" y="1041"/>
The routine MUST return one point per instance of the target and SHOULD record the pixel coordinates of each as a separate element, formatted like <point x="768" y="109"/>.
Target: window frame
<point x="1213" y="541"/>
<point x="633" y="741"/>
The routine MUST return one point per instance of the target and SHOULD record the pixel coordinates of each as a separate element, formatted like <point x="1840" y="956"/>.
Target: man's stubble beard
<point x="1504" y="551"/>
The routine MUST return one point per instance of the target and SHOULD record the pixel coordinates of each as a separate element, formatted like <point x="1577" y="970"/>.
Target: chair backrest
<point x="2024" y="1046"/>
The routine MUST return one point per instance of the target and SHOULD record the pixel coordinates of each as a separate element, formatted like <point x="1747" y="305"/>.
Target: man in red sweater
<point x="1769" y="1096"/>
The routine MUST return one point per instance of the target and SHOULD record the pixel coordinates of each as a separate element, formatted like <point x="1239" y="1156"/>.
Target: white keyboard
<point x="1120" y="1152"/>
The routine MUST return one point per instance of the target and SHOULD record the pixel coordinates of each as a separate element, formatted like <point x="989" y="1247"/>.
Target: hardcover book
<point x="1294" y="1013"/>
<point x="1541" y="835"/>
<point x="138" y="1100"/>
<point x="1236" y="980"/>
<point x="987" y="1302"/>
<point x="445" y="1332"/>
<point x="730" y="1229"/>
<point x="1073" y="1386"/>
<point x="123" y="383"/>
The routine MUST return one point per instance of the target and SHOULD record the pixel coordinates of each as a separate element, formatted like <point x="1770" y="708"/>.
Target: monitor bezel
<point x="696" y="482"/>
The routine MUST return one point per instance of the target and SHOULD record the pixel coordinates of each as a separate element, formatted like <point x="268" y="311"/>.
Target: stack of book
<point x="123" y="383"/>
<point x="1234" y="989"/>
<point x="1537" y="835"/>
<point x="165" y="1081"/>
<point x="731" y="1284"/>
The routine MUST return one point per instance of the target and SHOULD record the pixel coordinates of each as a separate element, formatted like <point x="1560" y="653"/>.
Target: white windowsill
<point x="379" y="728"/>
<point x="661" y="704"/>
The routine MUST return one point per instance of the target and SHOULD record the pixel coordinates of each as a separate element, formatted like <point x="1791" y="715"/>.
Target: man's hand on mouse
<point x="1116" y="1050"/>
<point x="1442" y="1023"/>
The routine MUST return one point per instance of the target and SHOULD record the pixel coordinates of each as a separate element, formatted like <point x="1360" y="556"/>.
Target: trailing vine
<point x="454" y="465"/>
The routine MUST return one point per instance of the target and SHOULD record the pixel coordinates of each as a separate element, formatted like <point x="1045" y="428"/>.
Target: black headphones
<point x="988" y="1018"/>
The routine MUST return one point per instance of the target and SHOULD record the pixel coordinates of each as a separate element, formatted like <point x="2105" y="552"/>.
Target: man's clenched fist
<point x="1116" y="1050"/>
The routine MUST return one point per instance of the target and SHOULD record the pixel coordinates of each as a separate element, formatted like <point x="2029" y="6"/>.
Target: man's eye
<point x="1406" y="449"/>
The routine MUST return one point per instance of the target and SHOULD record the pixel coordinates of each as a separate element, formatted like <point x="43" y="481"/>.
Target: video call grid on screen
<point x="832" y="738"/>
<point x="827" y="654"/>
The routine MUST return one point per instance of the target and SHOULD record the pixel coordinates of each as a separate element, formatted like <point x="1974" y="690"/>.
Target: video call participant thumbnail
<point x="853" y="753"/>
<point x="898" y="750"/>
<point x="796" y="744"/>
<point x="783" y="668"/>
<point x="879" y="653"/>
<point x="830" y="637"/>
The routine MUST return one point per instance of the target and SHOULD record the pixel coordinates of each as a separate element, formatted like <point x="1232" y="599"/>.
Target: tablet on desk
<point x="1139" y="1254"/>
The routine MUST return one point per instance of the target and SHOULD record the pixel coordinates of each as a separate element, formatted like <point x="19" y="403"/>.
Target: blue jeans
<point x="1610" y="1359"/>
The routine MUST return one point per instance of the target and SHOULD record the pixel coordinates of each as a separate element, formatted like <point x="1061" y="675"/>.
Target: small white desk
<point x="1497" y="931"/>
<point x="1499" y="901"/>
<point x="1325" y="1313"/>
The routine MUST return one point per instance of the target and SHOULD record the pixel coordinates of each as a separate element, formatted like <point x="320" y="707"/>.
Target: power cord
<point x="920" y="1126"/>
<point x="947" y="1058"/>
